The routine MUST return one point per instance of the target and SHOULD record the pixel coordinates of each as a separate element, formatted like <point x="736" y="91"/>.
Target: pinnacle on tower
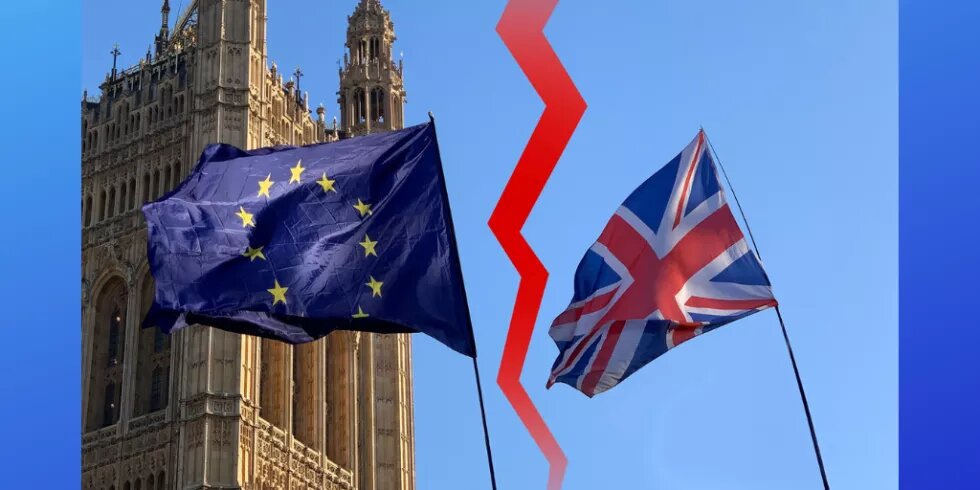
<point x="164" y="35"/>
<point x="165" y="15"/>
<point x="371" y="91"/>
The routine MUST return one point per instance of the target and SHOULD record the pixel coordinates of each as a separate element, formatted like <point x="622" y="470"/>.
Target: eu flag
<point x="292" y="243"/>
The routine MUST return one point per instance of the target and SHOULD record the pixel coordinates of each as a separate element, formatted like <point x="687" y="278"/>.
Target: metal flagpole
<point x="486" y="433"/>
<point x="782" y="325"/>
<point x="459" y="271"/>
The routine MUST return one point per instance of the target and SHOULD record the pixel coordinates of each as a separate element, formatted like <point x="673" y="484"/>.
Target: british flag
<point x="670" y="265"/>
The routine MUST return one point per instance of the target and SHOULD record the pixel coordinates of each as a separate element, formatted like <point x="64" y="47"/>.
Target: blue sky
<point x="800" y="101"/>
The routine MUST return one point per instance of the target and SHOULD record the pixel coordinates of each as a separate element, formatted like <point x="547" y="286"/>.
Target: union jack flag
<point x="670" y="265"/>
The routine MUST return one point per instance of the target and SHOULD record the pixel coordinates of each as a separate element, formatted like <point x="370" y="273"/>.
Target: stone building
<point x="204" y="408"/>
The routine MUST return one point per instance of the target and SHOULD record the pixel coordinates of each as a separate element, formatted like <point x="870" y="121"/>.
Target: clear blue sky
<point x="800" y="100"/>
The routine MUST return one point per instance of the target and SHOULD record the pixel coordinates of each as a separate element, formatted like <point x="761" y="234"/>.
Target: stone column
<point x="131" y="353"/>
<point x="366" y="424"/>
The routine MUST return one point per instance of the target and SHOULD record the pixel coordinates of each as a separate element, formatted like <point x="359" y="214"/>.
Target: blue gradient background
<point x="940" y="218"/>
<point x="800" y="100"/>
<point x="40" y="330"/>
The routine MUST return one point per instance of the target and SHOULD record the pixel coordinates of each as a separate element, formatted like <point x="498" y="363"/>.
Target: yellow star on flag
<point x="375" y="286"/>
<point x="254" y="253"/>
<point x="363" y="208"/>
<point x="369" y="245"/>
<point x="264" y="186"/>
<point x="278" y="294"/>
<point x="297" y="171"/>
<point x="246" y="217"/>
<point x="326" y="183"/>
<point x="360" y="313"/>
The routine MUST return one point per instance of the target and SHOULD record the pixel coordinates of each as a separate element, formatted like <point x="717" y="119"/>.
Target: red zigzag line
<point x="521" y="27"/>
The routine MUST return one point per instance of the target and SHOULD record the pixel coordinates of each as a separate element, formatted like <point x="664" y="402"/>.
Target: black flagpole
<point x="782" y="325"/>
<point x="486" y="432"/>
<point x="459" y="271"/>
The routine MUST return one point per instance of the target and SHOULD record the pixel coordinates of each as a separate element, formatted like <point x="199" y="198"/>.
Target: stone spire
<point x="164" y="36"/>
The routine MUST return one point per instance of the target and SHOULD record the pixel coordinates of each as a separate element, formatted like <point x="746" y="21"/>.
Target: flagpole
<point x="466" y="306"/>
<point x="782" y="325"/>
<point x="486" y="432"/>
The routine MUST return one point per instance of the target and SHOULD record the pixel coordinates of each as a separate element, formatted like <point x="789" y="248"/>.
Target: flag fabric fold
<point x="292" y="243"/>
<point x="670" y="265"/>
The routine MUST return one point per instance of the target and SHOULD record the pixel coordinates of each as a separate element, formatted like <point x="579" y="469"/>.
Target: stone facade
<point x="204" y="408"/>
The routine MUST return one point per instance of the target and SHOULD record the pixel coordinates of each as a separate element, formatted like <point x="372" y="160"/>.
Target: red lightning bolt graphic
<point x="522" y="29"/>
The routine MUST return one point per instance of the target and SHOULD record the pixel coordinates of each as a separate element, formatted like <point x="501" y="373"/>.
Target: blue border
<point x="40" y="258"/>
<point x="940" y="216"/>
<point x="940" y="180"/>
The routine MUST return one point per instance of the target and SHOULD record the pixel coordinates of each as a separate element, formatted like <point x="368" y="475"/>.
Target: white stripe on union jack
<point x="671" y="264"/>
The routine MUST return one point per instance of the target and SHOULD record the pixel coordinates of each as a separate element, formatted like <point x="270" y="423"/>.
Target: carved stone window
<point x="109" y="408"/>
<point x="360" y="103"/>
<point x="152" y="361"/>
<point x="132" y="194"/>
<point x="111" y="203"/>
<point x="108" y="351"/>
<point x="378" y="105"/>
<point x="146" y="187"/>
<point x="115" y="326"/>
<point x="158" y="389"/>
<point x="102" y="204"/>
<point x="88" y="210"/>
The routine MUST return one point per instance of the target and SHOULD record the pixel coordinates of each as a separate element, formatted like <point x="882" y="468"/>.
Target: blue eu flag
<point x="292" y="243"/>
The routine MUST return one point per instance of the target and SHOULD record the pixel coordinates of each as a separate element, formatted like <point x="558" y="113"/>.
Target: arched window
<point x="359" y="106"/>
<point x="160" y="480"/>
<point x="156" y="183"/>
<point x="146" y="187"/>
<point x="123" y="198"/>
<point x="111" y="202"/>
<point x="88" y="210"/>
<point x="102" y="206"/>
<point x="149" y="483"/>
<point x="126" y="486"/>
<point x="377" y="105"/>
<point x="158" y="389"/>
<point x="132" y="194"/>
<point x="115" y="328"/>
<point x="138" y="485"/>
<point x="152" y="362"/>
<point x="109" y="405"/>
<point x="167" y="175"/>
<point x="107" y="334"/>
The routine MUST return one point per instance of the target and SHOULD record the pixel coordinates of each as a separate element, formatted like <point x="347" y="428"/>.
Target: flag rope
<point x="476" y="368"/>
<point x="782" y="324"/>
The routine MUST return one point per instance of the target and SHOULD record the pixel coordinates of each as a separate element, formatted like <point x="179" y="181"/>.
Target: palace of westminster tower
<point x="204" y="408"/>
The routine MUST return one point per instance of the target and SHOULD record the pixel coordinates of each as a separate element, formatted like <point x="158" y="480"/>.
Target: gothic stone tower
<point x="203" y="408"/>
<point x="371" y="97"/>
<point x="371" y="94"/>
